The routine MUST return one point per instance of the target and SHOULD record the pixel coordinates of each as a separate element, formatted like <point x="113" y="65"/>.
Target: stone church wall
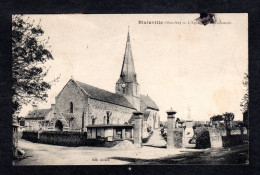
<point x="98" y="109"/>
<point x="72" y="93"/>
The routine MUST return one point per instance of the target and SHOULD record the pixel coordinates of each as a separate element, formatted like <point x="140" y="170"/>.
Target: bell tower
<point x="127" y="84"/>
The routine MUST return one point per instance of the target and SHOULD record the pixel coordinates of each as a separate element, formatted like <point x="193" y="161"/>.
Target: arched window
<point x="71" y="107"/>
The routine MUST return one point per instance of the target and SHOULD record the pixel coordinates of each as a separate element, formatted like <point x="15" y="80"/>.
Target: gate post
<point x="138" y="128"/>
<point x="170" y="127"/>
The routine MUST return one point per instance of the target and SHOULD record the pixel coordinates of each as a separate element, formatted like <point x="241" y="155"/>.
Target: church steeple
<point x="128" y="69"/>
<point x="127" y="84"/>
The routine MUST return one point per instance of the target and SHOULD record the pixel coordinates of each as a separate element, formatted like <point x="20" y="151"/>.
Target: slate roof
<point x="38" y="113"/>
<point x="105" y="96"/>
<point x="147" y="101"/>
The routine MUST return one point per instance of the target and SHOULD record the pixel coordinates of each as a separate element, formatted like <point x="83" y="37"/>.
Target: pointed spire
<point x="128" y="35"/>
<point x="128" y="68"/>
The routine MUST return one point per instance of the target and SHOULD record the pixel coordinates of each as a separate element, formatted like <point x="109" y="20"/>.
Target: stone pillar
<point x="138" y="129"/>
<point x="170" y="127"/>
<point x="123" y="133"/>
<point x="114" y="133"/>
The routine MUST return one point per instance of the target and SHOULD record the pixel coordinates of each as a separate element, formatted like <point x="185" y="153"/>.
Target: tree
<point x="228" y="120"/>
<point x="245" y="99"/>
<point x="216" y="118"/>
<point x="29" y="53"/>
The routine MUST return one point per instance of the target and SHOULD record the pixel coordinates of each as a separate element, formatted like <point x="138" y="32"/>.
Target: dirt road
<point x="156" y="140"/>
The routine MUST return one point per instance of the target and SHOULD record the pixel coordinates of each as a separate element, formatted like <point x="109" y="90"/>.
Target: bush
<point x="232" y="140"/>
<point x="202" y="137"/>
<point x="177" y="137"/>
<point x="30" y="136"/>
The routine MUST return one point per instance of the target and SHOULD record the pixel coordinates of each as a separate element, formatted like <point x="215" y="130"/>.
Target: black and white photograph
<point x="130" y="89"/>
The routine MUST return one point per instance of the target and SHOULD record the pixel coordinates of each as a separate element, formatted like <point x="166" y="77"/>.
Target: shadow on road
<point x="235" y="155"/>
<point x="155" y="146"/>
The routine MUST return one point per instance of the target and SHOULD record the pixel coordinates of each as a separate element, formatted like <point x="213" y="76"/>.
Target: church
<point x="79" y="105"/>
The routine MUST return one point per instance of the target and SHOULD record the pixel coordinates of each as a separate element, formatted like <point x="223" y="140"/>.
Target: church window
<point x="93" y="121"/>
<point x="71" y="107"/>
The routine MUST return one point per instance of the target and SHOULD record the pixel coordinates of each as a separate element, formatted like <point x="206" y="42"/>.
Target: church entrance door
<point x="58" y="126"/>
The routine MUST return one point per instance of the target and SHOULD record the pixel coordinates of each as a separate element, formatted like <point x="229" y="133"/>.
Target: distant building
<point x="80" y="105"/>
<point x="37" y="119"/>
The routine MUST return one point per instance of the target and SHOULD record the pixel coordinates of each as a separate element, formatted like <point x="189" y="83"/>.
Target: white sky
<point x="176" y="65"/>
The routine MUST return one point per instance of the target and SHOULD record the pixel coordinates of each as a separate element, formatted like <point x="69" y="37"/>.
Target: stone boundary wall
<point x="207" y="137"/>
<point x="73" y="139"/>
<point x="215" y="136"/>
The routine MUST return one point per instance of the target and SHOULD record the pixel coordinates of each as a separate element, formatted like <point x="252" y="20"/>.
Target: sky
<point x="179" y="64"/>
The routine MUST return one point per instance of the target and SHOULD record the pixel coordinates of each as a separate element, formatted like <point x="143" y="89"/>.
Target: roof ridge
<point x="98" y="88"/>
<point x="104" y="95"/>
<point x="148" y="101"/>
<point x="77" y="82"/>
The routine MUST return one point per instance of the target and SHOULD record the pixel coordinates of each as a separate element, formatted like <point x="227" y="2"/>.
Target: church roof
<point x="144" y="116"/>
<point x="128" y="69"/>
<point x="148" y="102"/>
<point x="105" y="96"/>
<point x="38" y="113"/>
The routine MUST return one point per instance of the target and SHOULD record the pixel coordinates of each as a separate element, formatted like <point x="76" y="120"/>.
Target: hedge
<point x="66" y="139"/>
<point x="30" y="136"/>
<point x="178" y="137"/>
<point x="63" y="138"/>
<point x="232" y="140"/>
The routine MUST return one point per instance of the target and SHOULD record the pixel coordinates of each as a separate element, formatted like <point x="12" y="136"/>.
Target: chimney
<point x="52" y="106"/>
